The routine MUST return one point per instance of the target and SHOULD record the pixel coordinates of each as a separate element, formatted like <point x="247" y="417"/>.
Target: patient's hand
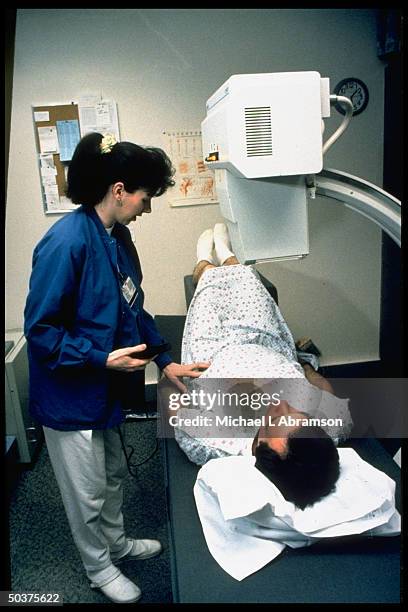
<point x="317" y="379"/>
<point x="175" y="371"/>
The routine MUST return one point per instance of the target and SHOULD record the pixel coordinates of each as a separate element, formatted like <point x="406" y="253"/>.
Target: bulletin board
<point x="57" y="130"/>
<point x="53" y="174"/>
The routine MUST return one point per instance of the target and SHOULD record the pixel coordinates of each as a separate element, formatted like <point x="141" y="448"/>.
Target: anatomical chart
<point x="195" y="184"/>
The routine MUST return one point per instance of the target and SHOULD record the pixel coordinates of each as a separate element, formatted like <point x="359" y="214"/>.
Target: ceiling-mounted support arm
<point x="363" y="197"/>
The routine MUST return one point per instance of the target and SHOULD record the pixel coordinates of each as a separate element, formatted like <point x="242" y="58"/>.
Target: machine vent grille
<point x="258" y="130"/>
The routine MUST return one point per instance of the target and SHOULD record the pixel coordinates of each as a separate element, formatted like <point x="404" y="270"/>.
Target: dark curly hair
<point x="308" y="472"/>
<point x="91" y="172"/>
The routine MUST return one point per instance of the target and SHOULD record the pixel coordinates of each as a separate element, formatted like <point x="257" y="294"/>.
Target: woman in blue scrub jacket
<point x="85" y="324"/>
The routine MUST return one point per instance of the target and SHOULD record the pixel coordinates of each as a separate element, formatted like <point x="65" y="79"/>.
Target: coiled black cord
<point x="131" y="466"/>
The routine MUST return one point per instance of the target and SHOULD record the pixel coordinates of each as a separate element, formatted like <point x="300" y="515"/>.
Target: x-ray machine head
<point x="263" y="137"/>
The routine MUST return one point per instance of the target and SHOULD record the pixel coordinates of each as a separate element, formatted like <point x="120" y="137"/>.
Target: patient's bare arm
<point x="317" y="379"/>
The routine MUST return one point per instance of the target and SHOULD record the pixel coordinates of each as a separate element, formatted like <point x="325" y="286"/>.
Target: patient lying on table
<point x="236" y="325"/>
<point x="312" y="490"/>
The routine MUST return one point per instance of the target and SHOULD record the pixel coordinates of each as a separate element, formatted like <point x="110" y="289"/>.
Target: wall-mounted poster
<point x="195" y="183"/>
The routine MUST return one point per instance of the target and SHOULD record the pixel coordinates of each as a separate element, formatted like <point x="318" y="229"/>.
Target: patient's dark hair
<point x="91" y="172"/>
<point x="308" y="472"/>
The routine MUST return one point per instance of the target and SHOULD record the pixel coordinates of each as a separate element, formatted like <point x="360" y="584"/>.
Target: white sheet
<point x="247" y="522"/>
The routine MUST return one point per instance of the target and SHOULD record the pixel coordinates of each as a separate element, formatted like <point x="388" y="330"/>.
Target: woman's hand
<point x="125" y="359"/>
<point x="175" y="371"/>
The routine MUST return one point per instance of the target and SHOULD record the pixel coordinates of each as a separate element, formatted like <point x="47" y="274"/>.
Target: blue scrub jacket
<point x="75" y="315"/>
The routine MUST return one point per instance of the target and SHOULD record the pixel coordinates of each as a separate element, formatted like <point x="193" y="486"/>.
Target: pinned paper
<point x="51" y="196"/>
<point x="103" y="116"/>
<point x="41" y="116"/>
<point x="68" y="138"/>
<point x="98" y="116"/>
<point x="48" y="139"/>
<point x="47" y="166"/>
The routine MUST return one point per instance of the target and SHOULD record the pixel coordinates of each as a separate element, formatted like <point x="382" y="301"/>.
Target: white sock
<point x="205" y="245"/>
<point x="222" y="242"/>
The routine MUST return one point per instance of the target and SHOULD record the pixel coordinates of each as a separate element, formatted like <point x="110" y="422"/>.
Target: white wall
<point x="161" y="65"/>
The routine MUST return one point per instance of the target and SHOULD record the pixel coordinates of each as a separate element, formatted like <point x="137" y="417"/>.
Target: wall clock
<point x="354" y="89"/>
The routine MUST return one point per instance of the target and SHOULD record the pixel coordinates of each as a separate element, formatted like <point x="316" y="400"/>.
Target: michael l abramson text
<point x="176" y="420"/>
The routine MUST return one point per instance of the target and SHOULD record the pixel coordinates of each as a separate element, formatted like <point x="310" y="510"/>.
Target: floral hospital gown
<point x="234" y="323"/>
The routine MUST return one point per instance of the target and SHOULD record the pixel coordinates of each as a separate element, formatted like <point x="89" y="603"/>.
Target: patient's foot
<point x="222" y="243"/>
<point x="205" y="247"/>
<point x="231" y="261"/>
<point x="200" y="268"/>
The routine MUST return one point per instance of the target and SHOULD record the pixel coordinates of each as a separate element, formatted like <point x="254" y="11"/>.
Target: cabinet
<point x="18" y="420"/>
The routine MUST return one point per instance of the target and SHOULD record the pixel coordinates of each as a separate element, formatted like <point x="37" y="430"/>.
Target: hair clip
<point x="107" y="142"/>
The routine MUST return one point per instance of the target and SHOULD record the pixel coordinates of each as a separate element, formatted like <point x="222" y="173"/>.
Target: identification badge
<point x="129" y="291"/>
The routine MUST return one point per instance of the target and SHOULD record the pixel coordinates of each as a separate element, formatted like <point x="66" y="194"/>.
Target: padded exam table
<point x="359" y="569"/>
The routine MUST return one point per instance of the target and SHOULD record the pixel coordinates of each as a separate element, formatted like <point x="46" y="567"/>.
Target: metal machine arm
<point x="363" y="197"/>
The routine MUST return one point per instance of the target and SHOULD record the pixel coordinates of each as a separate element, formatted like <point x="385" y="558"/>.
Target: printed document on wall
<point x="48" y="139"/>
<point x="68" y="138"/>
<point x="195" y="183"/>
<point x="98" y="115"/>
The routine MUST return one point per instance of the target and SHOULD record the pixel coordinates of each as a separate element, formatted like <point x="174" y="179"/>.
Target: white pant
<point x="90" y="466"/>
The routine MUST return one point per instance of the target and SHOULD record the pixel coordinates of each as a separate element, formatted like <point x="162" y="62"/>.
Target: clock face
<point x="356" y="91"/>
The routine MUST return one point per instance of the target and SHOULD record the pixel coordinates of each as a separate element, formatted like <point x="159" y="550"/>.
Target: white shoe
<point x="142" y="549"/>
<point x="120" y="590"/>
